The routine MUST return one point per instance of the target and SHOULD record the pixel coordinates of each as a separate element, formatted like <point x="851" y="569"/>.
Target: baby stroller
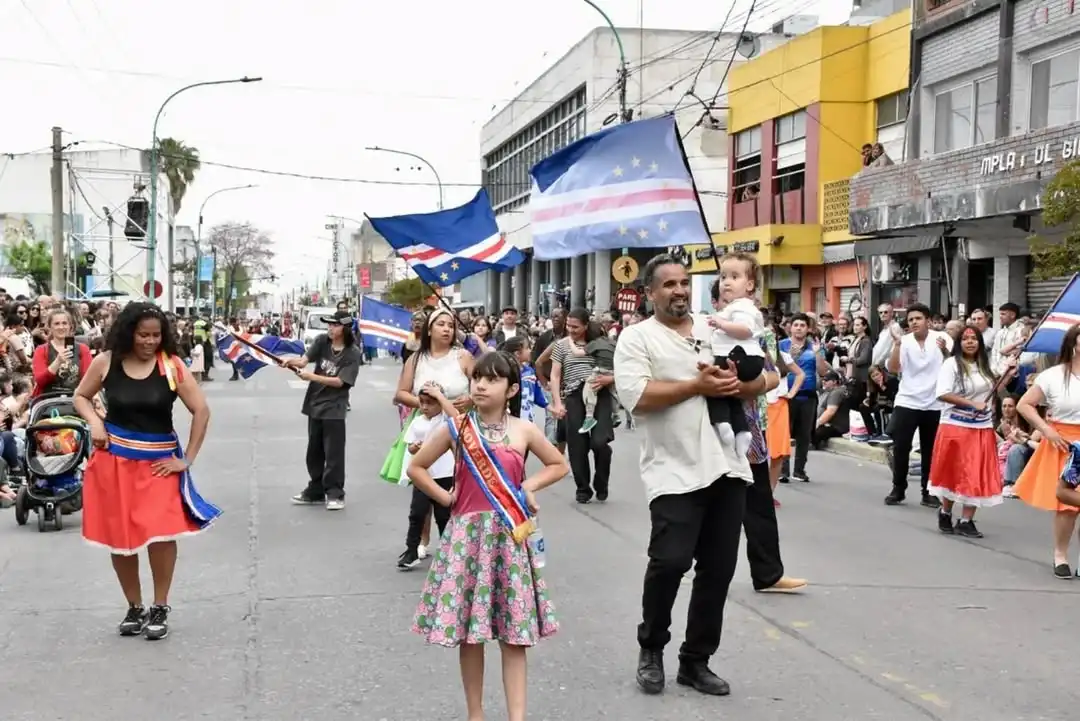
<point x="57" y="446"/>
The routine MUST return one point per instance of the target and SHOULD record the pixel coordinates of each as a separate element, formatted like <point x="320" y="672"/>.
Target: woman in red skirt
<point x="137" y="492"/>
<point x="965" y="468"/>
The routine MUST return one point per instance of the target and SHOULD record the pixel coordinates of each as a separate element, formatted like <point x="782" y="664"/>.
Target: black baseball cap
<point x="341" y="317"/>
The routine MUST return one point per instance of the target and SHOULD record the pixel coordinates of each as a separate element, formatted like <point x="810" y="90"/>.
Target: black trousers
<point x="578" y="445"/>
<point x="823" y="433"/>
<point x="702" y="527"/>
<point x="902" y="428"/>
<point x="326" y="458"/>
<point x="762" y="534"/>
<point x="418" y="511"/>
<point x="731" y="410"/>
<point x="802" y="410"/>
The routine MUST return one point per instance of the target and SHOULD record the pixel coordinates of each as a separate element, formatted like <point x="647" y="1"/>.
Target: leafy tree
<point x="409" y="292"/>
<point x="243" y="251"/>
<point x="1061" y="207"/>
<point x="184" y="278"/>
<point x="32" y="260"/>
<point x="179" y="163"/>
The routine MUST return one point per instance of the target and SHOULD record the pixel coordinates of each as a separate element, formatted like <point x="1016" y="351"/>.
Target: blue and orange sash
<point x="507" y="499"/>
<point x="153" y="446"/>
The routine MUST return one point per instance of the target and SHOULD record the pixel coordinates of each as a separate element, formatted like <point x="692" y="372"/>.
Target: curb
<point x="862" y="451"/>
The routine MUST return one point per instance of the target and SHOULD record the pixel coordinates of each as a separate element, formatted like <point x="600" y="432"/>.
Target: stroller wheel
<point x="41" y="520"/>
<point x="58" y="520"/>
<point x="22" y="510"/>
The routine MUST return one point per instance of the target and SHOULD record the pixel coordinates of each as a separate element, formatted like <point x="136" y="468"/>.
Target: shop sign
<point x="745" y="246"/>
<point x="1041" y="155"/>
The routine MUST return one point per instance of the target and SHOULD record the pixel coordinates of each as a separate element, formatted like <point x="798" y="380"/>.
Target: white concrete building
<point x="578" y="96"/>
<point x="97" y="187"/>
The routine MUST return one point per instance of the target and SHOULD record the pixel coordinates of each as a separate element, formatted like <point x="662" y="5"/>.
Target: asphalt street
<point x="285" y="613"/>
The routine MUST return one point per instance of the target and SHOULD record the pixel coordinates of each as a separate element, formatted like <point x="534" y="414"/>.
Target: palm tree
<point x="179" y="163"/>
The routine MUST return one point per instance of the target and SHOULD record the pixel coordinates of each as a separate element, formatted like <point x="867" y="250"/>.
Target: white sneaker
<point x="1008" y="492"/>
<point x="421" y="551"/>
<point x="335" y="504"/>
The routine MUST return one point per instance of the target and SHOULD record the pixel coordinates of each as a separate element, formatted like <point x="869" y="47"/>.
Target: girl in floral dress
<point x="485" y="583"/>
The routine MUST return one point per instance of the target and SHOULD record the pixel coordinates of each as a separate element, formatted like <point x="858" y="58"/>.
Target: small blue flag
<point x="383" y="325"/>
<point x="1064" y="314"/>
<point x="448" y="245"/>
<point x="627" y="186"/>
<point x="247" y="359"/>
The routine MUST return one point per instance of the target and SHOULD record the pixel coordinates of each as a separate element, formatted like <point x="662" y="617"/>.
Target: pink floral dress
<point x="484" y="586"/>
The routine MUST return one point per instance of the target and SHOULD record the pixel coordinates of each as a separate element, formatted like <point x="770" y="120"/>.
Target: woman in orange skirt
<point x="964" y="469"/>
<point x="1058" y="388"/>
<point x="778" y="426"/>
<point x="137" y="491"/>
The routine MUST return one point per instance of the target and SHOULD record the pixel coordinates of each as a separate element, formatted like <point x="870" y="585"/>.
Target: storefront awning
<point x="837" y="252"/>
<point x="891" y="246"/>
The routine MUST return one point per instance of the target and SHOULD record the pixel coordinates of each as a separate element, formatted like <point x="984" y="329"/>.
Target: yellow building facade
<point x="798" y="119"/>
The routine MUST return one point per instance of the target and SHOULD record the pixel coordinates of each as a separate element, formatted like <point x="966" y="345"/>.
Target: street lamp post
<point x="198" y="239"/>
<point x="624" y="113"/>
<point x="151" y="241"/>
<point x="425" y="161"/>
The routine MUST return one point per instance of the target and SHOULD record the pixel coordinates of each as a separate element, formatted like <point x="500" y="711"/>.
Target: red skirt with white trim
<point x="965" y="466"/>
<point x="126" y="507"/>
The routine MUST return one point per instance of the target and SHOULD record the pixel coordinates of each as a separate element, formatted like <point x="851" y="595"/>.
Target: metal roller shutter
<point x="1041" y="294"/>
<point x="849" y="301"/>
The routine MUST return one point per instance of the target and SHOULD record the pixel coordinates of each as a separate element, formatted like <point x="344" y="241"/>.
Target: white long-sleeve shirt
<point x="883" y="346"/>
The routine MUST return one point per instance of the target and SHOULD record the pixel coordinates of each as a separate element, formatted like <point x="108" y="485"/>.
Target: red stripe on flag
<point x="626" y="200"/>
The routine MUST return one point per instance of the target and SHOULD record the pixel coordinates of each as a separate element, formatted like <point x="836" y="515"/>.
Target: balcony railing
<point x="836" y="205"/>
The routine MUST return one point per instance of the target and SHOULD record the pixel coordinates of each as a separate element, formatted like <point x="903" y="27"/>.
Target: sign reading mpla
<point x="1041" y="155"/>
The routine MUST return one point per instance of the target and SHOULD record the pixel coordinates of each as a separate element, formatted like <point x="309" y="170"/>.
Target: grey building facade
<point x="993" y="114"/>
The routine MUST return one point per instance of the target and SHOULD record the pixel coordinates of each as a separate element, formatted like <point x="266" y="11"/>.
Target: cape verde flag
<point x="383" y="325"/>
<point x="248" y="360"/>
<point x="627" y="186"/>
<point x="445" y="246"/>
<point x="1064" y="314"/>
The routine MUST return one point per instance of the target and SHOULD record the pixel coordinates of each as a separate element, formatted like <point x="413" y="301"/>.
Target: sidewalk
<point x="862" y="451"/>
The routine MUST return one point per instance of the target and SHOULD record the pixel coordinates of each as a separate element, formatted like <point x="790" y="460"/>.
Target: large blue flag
<point x="249" y="359"/>
<point x="383" y="325"/>
<point x="627" y="186"/>
<point x="448" y="245"/>
<point x="1064" y="314"/>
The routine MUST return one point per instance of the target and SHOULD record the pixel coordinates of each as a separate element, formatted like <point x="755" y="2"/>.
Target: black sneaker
<point x="134" y="622"/>
<point x="930" y="501"/>
<point x="785" y="478"/>
<point x="698" y="677"/>
<point x="303" y="499"/>
<point x="895" y="497"/>
<point x="801" y="477"/>
<point x="944" y="523"/>
<point x="650" y="671"/>
<point x="583" y="498"/>
<point x="1063" y="572"/>
<point x="408" y="560"/>
<point x="966" y="528"/>
<point x="157" y="623"/>
<point x="601" y="496"/>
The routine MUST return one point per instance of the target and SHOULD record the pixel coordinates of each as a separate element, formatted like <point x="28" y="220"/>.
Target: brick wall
<point x="960" y="185"/>
<point x="962" y="49"/>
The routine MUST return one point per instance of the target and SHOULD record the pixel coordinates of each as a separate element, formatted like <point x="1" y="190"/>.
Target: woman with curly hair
<point x="137" y="491"/>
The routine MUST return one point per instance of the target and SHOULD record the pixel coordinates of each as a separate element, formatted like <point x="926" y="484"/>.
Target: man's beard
<point x="678" y="313"/>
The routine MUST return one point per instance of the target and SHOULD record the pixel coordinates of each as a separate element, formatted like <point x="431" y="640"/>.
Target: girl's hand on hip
<point x="169" y="466"/>
<point x="99" y="436"/>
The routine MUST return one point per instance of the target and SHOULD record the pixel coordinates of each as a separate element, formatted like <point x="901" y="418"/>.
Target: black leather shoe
<point x="650" y="671"/>
<point x="698" y="677"/>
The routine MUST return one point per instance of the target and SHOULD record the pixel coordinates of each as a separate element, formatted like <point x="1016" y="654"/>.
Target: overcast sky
<point x="339" y="75"/>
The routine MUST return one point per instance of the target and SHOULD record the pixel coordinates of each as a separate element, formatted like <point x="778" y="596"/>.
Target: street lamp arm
<point x="421" y="158"/>
<point x="618" y="39"/>
<point x="218" y="191"/>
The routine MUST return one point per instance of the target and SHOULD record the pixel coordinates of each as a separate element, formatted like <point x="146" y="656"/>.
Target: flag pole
<point x="697" y="195"/>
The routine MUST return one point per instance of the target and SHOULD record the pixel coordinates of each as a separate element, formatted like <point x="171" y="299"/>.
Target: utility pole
<point x="57" y="280"/>
<point x="112" y="262"/>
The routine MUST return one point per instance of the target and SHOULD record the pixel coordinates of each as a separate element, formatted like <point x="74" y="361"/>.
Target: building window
<point x="819" y="300"/>
<point x="965" y="115"/>
<point x="891" y="110"/>
<point x="747" y="165"/>
<point x="791" y="127"/>
<point x="1053" y="90"/>
<point x="507" y="177"/>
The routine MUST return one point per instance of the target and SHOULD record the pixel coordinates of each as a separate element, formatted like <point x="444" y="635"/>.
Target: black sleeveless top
<point x="143" y="406"/>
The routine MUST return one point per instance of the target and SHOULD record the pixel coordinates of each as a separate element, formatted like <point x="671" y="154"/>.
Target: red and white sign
<point x="158" y="289"/>
<point x="627" y="300"/>
<point x="365" y="277"/>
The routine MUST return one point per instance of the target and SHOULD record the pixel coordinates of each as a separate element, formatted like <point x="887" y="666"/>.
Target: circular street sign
<point x="627" y="300"/>
<point x="624" y="269"/>
<point x="158" y="289"/>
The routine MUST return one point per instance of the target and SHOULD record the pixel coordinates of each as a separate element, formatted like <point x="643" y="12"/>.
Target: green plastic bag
<point x="392" y="467"/>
